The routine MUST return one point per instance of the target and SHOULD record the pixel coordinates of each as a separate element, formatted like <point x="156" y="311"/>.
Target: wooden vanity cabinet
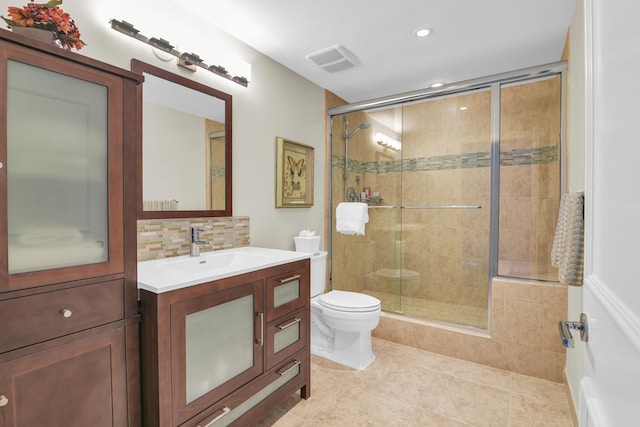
<point x="69" y="348"/>
<point x="223" y="353"/>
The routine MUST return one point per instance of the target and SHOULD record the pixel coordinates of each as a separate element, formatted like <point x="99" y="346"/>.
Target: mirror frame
<point x="140" y="67"/>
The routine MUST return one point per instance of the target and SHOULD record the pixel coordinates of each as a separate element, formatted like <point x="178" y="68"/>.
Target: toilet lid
<point x="349" y="301"/>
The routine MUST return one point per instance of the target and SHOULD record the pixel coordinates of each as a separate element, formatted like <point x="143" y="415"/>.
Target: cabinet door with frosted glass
<point x="61" y="175"/>
<point x="216" y="346"/>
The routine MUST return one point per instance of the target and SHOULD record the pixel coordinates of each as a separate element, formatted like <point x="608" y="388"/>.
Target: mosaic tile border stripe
<point x="539" y="155"/>
<point x="165" y="238"/>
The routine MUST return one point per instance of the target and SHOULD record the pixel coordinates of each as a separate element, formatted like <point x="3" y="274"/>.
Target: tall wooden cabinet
<point x="69" y="352"/>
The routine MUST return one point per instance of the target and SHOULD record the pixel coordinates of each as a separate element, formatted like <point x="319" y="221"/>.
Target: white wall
<point x="278" y="102"/>
<point x="574" y="368"/>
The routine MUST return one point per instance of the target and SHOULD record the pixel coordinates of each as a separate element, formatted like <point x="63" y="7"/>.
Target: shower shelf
<point x="372" y="199"/>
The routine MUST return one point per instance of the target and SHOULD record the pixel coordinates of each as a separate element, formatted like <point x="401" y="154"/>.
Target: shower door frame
<point x="492" y="83"/>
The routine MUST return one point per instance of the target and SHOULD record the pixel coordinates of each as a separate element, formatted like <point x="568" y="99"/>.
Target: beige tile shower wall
<point x="529" y="193"/>
<point x="165" y="238"/>
<point x="524" y="334"/>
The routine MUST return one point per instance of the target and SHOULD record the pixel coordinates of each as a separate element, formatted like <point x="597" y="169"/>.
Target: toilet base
<point x="352" y="349"/>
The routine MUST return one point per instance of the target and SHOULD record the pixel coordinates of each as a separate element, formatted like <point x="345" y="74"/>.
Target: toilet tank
<point x="318" y="273"/>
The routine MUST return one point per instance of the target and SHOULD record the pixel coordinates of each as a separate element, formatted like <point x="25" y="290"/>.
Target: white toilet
<point x="341" y="322"/>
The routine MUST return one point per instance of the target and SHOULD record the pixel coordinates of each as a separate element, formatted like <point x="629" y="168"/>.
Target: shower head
<point x="364" y="125"/>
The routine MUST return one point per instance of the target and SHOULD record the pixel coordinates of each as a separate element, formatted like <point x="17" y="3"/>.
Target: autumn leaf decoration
<point x="46" y="16"/>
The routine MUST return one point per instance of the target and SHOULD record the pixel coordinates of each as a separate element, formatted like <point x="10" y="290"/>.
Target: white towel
<point x="53" y="237"/>
<point x="351" y="218"/>
<point x="567" y="252"/>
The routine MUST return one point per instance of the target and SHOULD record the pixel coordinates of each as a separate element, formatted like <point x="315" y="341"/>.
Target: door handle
<point x="564" y="327"/>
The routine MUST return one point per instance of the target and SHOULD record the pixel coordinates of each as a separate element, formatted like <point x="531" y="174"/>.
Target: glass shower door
<point x="446" y="189"/>
<point x="424" y="169"/>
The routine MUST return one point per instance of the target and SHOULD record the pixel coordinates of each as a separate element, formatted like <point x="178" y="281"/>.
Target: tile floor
<point x="410" y="387"/>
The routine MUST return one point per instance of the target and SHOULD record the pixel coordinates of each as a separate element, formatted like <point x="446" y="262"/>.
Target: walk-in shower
<point x="467" y="189"/>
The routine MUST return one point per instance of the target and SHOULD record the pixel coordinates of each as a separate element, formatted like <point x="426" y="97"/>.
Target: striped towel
<point x="567" y="252"/>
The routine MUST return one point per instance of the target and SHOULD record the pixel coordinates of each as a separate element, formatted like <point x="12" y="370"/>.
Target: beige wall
<point x="277" y="102"/>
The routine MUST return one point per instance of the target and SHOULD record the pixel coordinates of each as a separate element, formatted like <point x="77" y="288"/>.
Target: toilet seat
<point x="349" y="301"/>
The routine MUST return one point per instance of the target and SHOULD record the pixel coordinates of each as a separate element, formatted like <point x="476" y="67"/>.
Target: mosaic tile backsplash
<point x="165" y="238"/>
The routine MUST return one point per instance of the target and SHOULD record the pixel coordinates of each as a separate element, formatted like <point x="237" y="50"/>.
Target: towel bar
<point x="443" y="207"/>
<point x="429" y="207"/>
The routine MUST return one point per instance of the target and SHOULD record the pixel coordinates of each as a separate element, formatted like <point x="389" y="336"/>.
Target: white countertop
<point x="168" y="274"/>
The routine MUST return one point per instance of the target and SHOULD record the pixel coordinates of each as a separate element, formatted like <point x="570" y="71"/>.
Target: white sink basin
<point x="162" y="275"/>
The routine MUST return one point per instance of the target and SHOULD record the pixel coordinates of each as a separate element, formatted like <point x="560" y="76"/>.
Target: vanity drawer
<point x="287" y="291"/>
<point x="268" y="392"/>
<point x="285" y="337"/>
<point x="36" y="318"/>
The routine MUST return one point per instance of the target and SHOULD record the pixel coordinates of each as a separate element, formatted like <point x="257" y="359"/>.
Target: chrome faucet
<point x="196" y="242"/>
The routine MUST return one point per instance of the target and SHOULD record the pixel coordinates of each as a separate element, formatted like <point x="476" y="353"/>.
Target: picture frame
<point x="294" y="174"/>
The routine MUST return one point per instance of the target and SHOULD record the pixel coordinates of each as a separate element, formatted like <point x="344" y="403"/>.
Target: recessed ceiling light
<point x="422" y="32"/>
<point x="436" y="84"/>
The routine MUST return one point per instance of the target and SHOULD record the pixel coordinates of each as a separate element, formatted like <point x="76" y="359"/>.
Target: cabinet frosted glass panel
<point x="287" y="292"/>
<point x="57" y="170"/>
<point x="219" y="345"/>
<point x="287" y="335"/>
<point x="240" y="410"/>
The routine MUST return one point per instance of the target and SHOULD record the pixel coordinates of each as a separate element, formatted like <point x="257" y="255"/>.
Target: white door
<point x="610" y="389"/>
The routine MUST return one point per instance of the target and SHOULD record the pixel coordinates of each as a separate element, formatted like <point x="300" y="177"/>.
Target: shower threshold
<point x="422" y="308"/>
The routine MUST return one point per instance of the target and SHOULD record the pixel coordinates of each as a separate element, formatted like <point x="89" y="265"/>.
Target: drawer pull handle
<point x="286" y="371"/>
<point x="291" y="323"/>
<point x="66" y="312"/>
<point x="3" y="400"/>
<point x="224" y="410"/>
<point x="289" y="279"/>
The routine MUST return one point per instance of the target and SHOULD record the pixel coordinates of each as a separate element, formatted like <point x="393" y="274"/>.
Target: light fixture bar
<point x="192" y="60"/>
<point x="388" y="142"/>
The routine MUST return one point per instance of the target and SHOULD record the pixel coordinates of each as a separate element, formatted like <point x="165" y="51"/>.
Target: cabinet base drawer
<point x="272" y="388"/>
<point x="36" y="318"/>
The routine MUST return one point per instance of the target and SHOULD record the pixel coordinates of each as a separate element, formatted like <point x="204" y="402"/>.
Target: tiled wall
<point x="164" y="238"/>
<point x="523" y="338"/>
<point x="530" y="193"/>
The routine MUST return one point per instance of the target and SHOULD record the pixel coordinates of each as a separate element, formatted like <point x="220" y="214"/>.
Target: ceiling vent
<point x="333" y="59"/>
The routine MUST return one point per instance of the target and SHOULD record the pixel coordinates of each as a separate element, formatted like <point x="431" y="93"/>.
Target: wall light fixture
<point x="388" y="142"/>
<point x="190" y="61"/>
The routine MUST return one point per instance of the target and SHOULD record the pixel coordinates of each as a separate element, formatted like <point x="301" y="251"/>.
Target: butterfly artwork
<point x="295" y="179"/>
<point x="294" y="174"/>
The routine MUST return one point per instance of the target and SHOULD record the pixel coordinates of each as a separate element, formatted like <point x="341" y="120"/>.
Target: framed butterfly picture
<point x="294" y="174"/>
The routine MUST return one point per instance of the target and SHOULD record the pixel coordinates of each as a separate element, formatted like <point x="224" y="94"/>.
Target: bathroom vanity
<point x="225" y="336"/>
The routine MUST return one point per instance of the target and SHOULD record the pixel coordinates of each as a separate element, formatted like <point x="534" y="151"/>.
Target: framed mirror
<point x="184" y="148"/>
